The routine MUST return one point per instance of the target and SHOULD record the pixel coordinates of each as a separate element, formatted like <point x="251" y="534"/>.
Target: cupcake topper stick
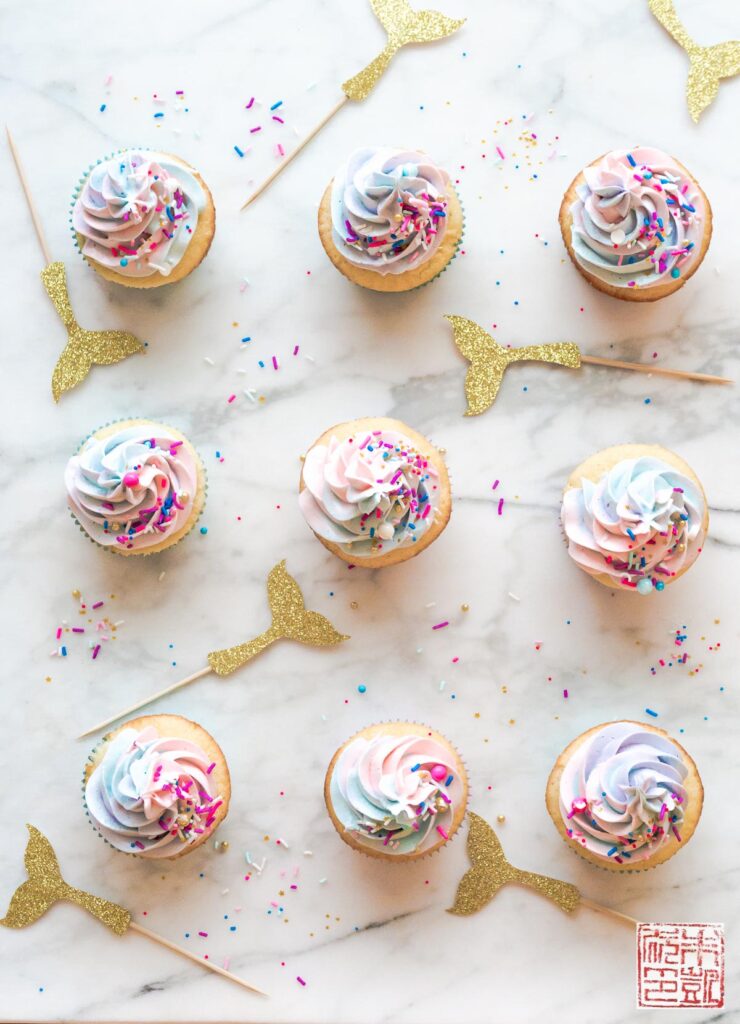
<point x="491" y="871"/>
<point x="707" y="64"/>
<point x="489" y="361"/>
<point x="403" y="25"/>
<point x="84" y="349"/>
<point x="290" y="621"/>
<point x="45" y="886"/>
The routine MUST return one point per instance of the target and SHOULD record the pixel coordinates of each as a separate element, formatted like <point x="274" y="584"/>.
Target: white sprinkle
<point x="247" y="857"/>
<point x="311" y="86"/>
<point x="281" y="842"/>
<point x="322" y="881"/>
<point x="308" y="853"/>
<point x="432" y="604"/>
<point x="419" y="650"/>
<point x="162" y="575"/>
<point x="241" y="371"/>
<point x="442" y="685"/>
<point x="251" y="394"/>
<point x="224" y="892"/>
<point x="119" y="623"/>
<point x="207" y="359"/>
<point x="514" y="597"/>
<point x="323" y="718"/>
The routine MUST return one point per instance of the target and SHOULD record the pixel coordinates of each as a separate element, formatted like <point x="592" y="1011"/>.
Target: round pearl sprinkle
<point x="362" y="688"/>
<point x="660" y="585"/>
<point x="438" y="772"/>
<point x="644" y="587"/>
<point x="131" y="480"/>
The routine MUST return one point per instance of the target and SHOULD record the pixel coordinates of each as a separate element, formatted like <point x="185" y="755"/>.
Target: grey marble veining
<point x="372" y="941"/>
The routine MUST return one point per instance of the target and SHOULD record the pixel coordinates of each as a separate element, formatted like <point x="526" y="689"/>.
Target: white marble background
<point x="372" y="941"/>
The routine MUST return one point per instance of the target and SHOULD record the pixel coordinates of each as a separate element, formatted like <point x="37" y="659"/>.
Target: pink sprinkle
<point x="257" y="129"/>
<point x="663" y="809"/>
<point x="274" y="363"/>
<point x="565" y="694"/>
<point x="98" y="604"/>
<point x="210" y="767"/>
<point x="231" y="398"/>
<point x="441" y="625"/>
<point x="300" y="980"/>
<point x="495" y="485"/>
<point x="273" y="903"/>
<point x="203" y="934"/>
<point x="96" y="651"/>
<point x="279" y="151"/>
<point x="138" y="843"/>
<point x="278" y="119"/>
<point x="500" y="152"/>
<point x="294" y="887"/>
<point x="59" y="633"/>
<point x="500" y="505"/>
<point x="77" y="629"/>
<point x="250" y="104"/>
<point x="442" y="832"/>
<point x="179" y="92"/>
<point x="674" y="830"/>
<point x="295" y="350"/>
<point x="227" y="962"/>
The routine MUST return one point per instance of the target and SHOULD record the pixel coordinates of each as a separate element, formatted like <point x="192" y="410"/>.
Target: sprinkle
<point x="159" y="114"/>
<point x="96" y="651"/>
<point x="500" y="505"/>
<point x="275" y="363"/>
<point x="565" y="694"/>
<point x="279" y="151"/>
<point x="441" y="625"/>
<point x="278" y="119"/>
<point x="322" y="881"/>
<point x="276" y="105"/>
<point x="203" y="934"/>
<point x="442" y="832"/>
<point x="295" y="350"/>
<point x="250" y="104"/>
<point x="207" y="359"/>
<point x="98" y="604"/>
<point x="210" y="767"/>
<point x="649" y="711"/>
<point x="612" y="851"/>
<point x="231" y="398"/>
<point x="239" y="152"/>
<point x="500" y="152"/>
<point x="281" y="842"/>
<point x="674" y="830"/>
<point x="514" y="597"/>
<point x="253" y="130"/>
<point x="300" y="980"/>
<point x="102" y="107"/>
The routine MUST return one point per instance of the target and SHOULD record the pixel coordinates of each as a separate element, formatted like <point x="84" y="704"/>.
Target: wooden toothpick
<point x="29" y="198"/>
<point x="662" y="371"/>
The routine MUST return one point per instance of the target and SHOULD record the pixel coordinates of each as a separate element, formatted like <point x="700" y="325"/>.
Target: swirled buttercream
<point x="398" y="793"/>
<point x="622" y="794"/>
<point x="638" y="218"/>
<point x="150" y="794"/>
<point x="369" y="493"/>
<point x="640" y="525"/>
<point x="137" y="212"/>
<point x="388" y="209"/>
<point x="132" y="488"/>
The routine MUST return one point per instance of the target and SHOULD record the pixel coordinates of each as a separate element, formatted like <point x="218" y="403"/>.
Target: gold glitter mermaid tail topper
<point x="290" y="621"/>
<point x="489" y="361"/>
<point x="84" y="349"/>
<point x="403" y="26"/>
<point x="491" y="871"/>
<point x="707" y="64"/>
<point x="45" y="887"/>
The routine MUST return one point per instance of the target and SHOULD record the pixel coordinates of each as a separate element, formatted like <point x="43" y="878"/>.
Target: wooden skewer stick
<point x="284" y="163"/>
<point x="608" y="910"/>
<point x="148" y="700"/>
<point x="192" y="956"/>
<point x="663" y="371"/>
<point x="31" y="205"/>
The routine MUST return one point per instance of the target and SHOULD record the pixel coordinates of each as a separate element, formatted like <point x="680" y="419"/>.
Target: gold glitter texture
<point x="45" y="886"/>
<point x="707" y="64"/>
<point x="488" y="360"/>
<point x="402" y="25"/>
<point x="290" y="621"/>
<point x="84" y="349"/>
<point x="491" y="870"/>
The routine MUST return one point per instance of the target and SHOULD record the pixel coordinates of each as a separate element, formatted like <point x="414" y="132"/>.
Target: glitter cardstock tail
<point x="489" y="361"/>
<point x="45" y="887"/>
<point x="84" y="349"/>
<point x="290" y="621"/>
<point x="403" y="26"/>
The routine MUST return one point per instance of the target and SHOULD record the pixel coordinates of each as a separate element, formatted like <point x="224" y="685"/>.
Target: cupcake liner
<point x="133" y="282"/>
<point x="646" y="865"/>
<point x="185" y="848"/>
<point x="402" y="859"/>
<point x="116" y="550"/>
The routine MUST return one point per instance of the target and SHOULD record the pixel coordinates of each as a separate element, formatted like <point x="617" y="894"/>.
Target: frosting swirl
<point x="637" y="220"/>
<point x="640" y="525"/>
<point x="137" y="212"/>
<point x="388" y="209"/>
<point x="151" y="793"/>
<point x="622" y="794"/>
<point x="398" y="793"/>
<point x="369" y="493"/>
<point x="132" y="488"/>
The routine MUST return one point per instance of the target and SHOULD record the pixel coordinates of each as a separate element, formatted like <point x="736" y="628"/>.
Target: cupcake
<point x="143" y="218"/>
<point x="396" y="791"/>
<point x="625" y="796"/>
<point x="136" y="487"/>
<point x="635" y="517"/>
<point x="157" y="787"/>
<point x="636" y="224"/>
<point x="390" y="220"/>
<point x="375" y="492"/>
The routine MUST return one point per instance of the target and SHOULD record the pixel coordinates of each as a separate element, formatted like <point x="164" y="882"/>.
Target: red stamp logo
<point x="681" y="965"/>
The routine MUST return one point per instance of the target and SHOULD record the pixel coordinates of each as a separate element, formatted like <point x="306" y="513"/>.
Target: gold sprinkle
<point x="465" y="607"/>
<point x="500" y="818"/>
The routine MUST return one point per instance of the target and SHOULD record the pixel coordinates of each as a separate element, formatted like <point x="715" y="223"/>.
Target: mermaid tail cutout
<point x="45" y="886"/>
<point x="290" y="621"/>
<point x="707" y="64"/>
<point x="491" y="870"/>
<point x="402" y="25"/>
<point x="489" y="360"/>
<point x="84" y="349"/>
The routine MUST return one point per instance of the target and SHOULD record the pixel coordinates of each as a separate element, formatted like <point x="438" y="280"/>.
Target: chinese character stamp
<point x="680" y="965"/>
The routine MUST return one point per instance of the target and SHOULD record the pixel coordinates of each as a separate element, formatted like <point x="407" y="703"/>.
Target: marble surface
<point x="371" y="941"/>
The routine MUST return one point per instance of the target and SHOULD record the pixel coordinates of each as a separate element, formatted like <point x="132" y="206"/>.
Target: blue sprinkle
<point x="449" y="780"/>
<point x="204" y="530"/>
<point x="675" y="272"/>
<point x="613" y="850"/>
<point x="647" y="401"/>
<point x="416" y="768"/>
<point x="64" y="652"/>
<point x="630" y="534"/>
<point x="649" y="711"/>
<point x="261" y="364"/>
<point x="245" y="340"/>
<point x="160" y="114"/>
<point x="124" y="262"/>
<point x="276" y="105"/>
<point x="239" y="152"/>
<point x="102" y="108"/>
<point x="232" y="928"/>
<point x="631" y="160"/>
<point x="362" y="688"/>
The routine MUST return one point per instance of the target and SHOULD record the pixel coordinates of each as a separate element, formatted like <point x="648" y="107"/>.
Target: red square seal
<point x="681" y="965"/>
